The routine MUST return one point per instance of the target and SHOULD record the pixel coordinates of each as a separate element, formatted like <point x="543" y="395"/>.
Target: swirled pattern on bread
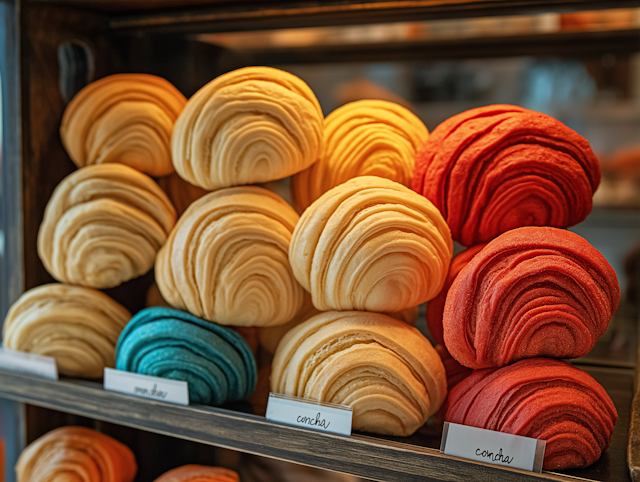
<point x="530" y="292"/>
<point x="371" y="244"/>
<point x="500" y="167"/>
<point x="76" y="454"/>
<point x="543" y="399"/>
<point x="104" y="225"/>
<point x="226" y="260"/>
<point x="79" y="327"/>
<point x="362" y="138"/>
<point x="124" y="118"/>
<point x="385" y="369"/>
<point x="251" y="125"/>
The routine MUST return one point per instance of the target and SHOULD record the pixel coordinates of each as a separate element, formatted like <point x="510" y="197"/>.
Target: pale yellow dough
<point x="363" y="138"/>
<point x="250" y="125"/>
<point x="79" y="327"/>
<point x="269" y="337"/>
<point x="385" y="369"/>
<point x="124" y="118"/>
<point x="371" y="244"/>
<point x="104" y="225"/>
<point x="226" y="260"/>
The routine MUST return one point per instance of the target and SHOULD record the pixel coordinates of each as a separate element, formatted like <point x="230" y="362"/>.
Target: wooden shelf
<point x="221" y="15"/>
<point x="382" y="459"/>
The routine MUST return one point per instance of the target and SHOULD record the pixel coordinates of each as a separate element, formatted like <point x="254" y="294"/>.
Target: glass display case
<point x="578" y="61"/>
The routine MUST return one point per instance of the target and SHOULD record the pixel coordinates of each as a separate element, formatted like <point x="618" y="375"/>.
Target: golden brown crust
<point x="79" y="327"/>
<point x="103" y="225"/>
<point x="250" y="125"/>
<point x="124" y="118"/>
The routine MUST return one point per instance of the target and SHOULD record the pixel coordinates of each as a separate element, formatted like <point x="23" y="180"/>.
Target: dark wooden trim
<point x="271" y="15"/>
<point x="11" y="266"/>
<point x="369" y="457"/>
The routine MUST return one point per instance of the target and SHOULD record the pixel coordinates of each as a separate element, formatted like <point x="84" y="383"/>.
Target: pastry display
<point x="500" y="167"/>
<point x="362" y="138"/>
<point x="226" y="260"/>
<point x="215" y="361"/>
<point x="76" y="454"/>
<point x="371" y="244"/>
<point x="198" y="473"/>
<point x="383" y="368"/>
<point x="435" y="307"/>
<point x="269" y="337"/>
<point x="530" y="292"/>
<point x="247" y="126"/>
<point x="77" y="326"/>
<point x="180" y="192"/>
<point x="539" y="398"/>
<point x="124" y="118"/>
<point x="103" y="225"/>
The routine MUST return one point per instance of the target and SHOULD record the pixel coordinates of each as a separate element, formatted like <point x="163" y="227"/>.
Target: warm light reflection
<point x="615" y="19"/>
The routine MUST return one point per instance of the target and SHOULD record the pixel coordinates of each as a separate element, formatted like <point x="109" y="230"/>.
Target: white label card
<point x="156" y="388"/>
<point x="326" y="417"/>
<point x="42" y="366"/>
<point x="493" y="447"/>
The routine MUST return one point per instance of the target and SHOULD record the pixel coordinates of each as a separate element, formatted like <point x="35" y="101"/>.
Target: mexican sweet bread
<point x="371" y="244"/>
<point x="103" y="225"/>
<point x="226" y="260"/>
<point x="247" y="126"/>
<point x="383" y="368"/>
<point x="124" y="118"/>
<point x="362" y="138"/>
<point x="216" y="361"/>
<point x="77" y="326"/>
<point x="543" y="399"/>
<point x="198" y="473"/>
<point x="533" y="291"/>
<point x="76" y="454"/>
<point x="500" y="167"/>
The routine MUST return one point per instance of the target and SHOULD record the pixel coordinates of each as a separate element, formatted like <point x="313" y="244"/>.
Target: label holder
<point x="539" y="447"/>
<point x="146" y="386"/>
<point x="29" y="363"/>
<point x="308" y="413"/>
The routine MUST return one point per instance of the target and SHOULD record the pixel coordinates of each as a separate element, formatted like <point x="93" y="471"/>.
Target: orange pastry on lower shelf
<point x="76" y="454"/>
<point x="198" y="473"/>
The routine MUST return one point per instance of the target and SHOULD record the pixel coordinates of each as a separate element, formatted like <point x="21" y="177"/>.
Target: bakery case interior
<point x="438" y="63"/>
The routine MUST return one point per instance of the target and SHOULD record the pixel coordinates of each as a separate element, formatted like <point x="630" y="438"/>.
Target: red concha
<point x="530" y="292"/>
<point x="539" y="398"/>
<point x="500" y="167"/>
<point x="435" y="307"/>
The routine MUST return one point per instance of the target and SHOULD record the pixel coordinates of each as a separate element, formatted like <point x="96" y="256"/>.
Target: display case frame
<point x="128" y="36"/>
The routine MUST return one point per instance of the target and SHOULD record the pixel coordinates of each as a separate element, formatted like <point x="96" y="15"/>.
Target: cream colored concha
<point x="383" y="368"/>
<point x="371" y="244"/>
<point x="362" y="138"/>
<point x="269" y="337"/>
<point x="103" y="226"/>
<point x="124" y="118"/>
<point x="79" y="327"/>
<point x="226" y="260"/>
<point x="250" y="125"/>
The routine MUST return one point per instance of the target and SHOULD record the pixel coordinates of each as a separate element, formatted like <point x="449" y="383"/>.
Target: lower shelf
<point x="377" y="458"/>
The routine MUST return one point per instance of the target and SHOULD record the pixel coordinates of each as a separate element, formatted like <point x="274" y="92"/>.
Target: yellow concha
<point x="250" y="125"/>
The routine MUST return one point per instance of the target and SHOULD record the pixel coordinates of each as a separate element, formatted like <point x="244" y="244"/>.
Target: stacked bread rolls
<point x="522" y="290"/>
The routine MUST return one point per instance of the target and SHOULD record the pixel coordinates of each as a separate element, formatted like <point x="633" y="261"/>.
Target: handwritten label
<point x="493" y="447"/>
<point x="42" y="366"/>
<point x="326" y="417"/>
<point x="156" y="388"/>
